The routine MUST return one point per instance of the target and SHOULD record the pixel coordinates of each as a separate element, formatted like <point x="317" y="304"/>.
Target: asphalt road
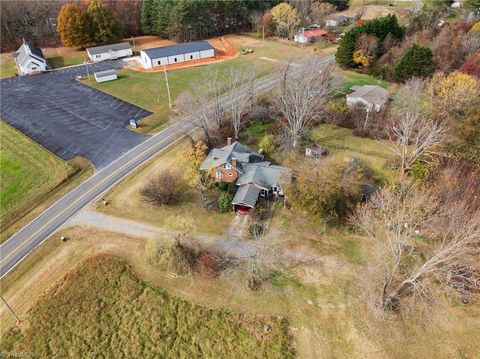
<point x="20" y="245"/>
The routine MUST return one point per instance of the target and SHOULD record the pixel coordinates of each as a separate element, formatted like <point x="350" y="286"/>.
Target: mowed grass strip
<point x="340" y="141"/>
<point x="103" y="309"/>
<point x="27" y="172"/>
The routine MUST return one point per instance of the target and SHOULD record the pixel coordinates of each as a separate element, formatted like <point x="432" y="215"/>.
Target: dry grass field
<point x="103" y="309"/>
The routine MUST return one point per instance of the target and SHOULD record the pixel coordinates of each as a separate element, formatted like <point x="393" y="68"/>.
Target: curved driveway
<point x="15" y="249"/>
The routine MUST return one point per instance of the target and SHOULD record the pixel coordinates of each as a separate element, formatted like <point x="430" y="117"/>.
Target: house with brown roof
<point x="254" y="176"/>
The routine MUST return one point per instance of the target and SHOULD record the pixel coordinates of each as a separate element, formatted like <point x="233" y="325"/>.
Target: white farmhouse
<point x="109" y="52"/>
<point x="370" y="96"/>
<point x="173" y="54"/>
<point x="29" y="59"/>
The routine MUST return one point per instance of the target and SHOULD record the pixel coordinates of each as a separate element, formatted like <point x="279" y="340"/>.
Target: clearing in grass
<point x="340" y="141"/>
<point x="103" y="309"/>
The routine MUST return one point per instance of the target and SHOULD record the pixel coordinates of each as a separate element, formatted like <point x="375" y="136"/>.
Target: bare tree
<point x="471" y="43"/>
<point x="240" y="81"/>
<point x="302" y="92"/>
<point x="412" y="137"/>
<point x="416" y="241"/>
<point x="162" y="189"/>
<point x="201" y="116"/>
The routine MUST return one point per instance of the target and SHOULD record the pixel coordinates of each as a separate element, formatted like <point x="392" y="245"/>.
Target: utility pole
<point x="86" y="67"/>
<point x="168" y="87"/>
<point x="10" y="309"/>
<point x="263" y="32"/>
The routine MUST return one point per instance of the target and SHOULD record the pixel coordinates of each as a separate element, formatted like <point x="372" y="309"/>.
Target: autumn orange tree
<point x="72" y="26"/>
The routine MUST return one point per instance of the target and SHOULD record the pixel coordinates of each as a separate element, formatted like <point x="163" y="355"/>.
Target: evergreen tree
<point x="104" y="25"/>
<point x="146" y="17"/>
<point x="72" y="26"/>
<point x="416" y="61"/>
<point x="380" y="28"/>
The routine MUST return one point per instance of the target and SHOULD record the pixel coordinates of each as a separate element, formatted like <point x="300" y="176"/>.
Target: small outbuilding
<point x="340" y="20"/>
<point x="315" y="151"/>
<point x="109" y="52"/>
<point x="372" y="97"/>
<point x="173" y="54"/>
<point x="104" y="76"/>
<point x="306" y="36"/>
<point x="29" y="59"/>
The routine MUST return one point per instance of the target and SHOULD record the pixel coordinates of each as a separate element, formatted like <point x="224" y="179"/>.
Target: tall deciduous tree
<point x="303" y="89"/>
<point x="192" y="156"/>
<point x="413" y="136"/>
<point x="240" y="80"/>
<point x="104" y="24"/>
<point x="416" y="242"/>
<point x="286" y="18"/>
<point x="72" y="26"/>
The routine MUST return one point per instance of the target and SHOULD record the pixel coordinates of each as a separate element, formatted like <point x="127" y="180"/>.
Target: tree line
<point x="186" y="20"/>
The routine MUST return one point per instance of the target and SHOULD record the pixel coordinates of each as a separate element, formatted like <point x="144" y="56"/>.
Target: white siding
<point x="192" y="56"/>
<point x="110" y="55"/>
<point x="300" y="38"/>
<point x="106" y="78"/>
<point x="179" y="58"/>
<point x="31" y="65"/>
<point x="146" y="61"/>
<point x="207" y="53"/>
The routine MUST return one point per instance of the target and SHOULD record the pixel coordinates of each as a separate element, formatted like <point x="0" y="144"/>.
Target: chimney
<point x="234" y="162"/>
<point x="229" y="140"/>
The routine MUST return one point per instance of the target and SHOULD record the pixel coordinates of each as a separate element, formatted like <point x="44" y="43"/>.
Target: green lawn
<point x="354" y="79"/>
<point x="28" y="172"/>
<point x="148" y="90"/>
<point x="55" y="61"/>
<point x="7" y="67"/>
<point x="103" y="310"/>
<point x="341" y="142"/>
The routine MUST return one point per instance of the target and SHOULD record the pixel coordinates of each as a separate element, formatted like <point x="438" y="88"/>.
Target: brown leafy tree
<point x="162" y="189"/>
<point x="73" y="26"/>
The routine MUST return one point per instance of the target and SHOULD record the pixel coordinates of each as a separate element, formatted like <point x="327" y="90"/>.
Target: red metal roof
<point x="314" y="33"/>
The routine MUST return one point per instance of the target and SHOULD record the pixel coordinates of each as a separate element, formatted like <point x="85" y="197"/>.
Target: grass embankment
<point x="126" y="201"/>
<point x="103" y="309"/>
<point x="340" y="141"/>
<point x="28" y="173"/>
<point x="148" y="89"/>
<point x="351" y="78"/>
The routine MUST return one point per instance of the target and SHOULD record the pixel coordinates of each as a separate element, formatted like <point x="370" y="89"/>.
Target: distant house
<point x="340" y="20"/>
<point x="173" y="54"/>
<point x="254" y="177"/>
<point x="29" y="59"/>
<point x="109" y="52"/>
<point x="309" y="35"/>
<point x="371" y="96"/>
<point x="104" y="76"/>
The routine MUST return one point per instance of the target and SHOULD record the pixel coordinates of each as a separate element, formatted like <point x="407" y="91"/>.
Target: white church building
<point x="29" y="59"/>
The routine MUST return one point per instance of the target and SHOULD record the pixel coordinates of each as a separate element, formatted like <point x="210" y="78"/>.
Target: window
<point x="230" y="174"/>
<point x="175" y="59"/>
<point x="159" y="62"/>
<point x="97" y="56"/>
<point x="275" y="189"/>
<point x="262" y="192"/>
<point x="191" y="57"/>
<point x="218" y="174"/>
<point x="227" y="166"/>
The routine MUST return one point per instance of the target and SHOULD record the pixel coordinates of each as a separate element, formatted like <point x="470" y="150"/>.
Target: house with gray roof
<point x="29" y="59"/>
<point x="254" y="177"/>
<point x="167" y="55"/>
<point x="109" y="52"/>
<point x="372" y="97"/>
<point x="340" y="20"/>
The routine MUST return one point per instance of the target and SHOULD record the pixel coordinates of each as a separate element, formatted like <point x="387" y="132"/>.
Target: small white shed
<point x="109" y="52"/>
<point x="107" y="75"/>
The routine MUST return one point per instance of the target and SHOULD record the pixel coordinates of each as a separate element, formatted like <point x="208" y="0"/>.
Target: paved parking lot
<point x="69" y="118"/>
